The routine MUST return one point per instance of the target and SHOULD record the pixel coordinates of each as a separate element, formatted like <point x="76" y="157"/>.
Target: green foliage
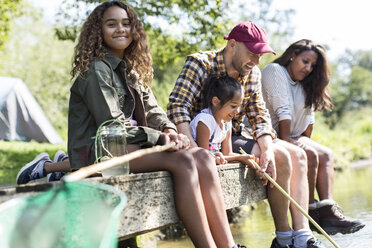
<point x="350" y="139"/>
<point x="14" y="155"/>
<point x="350" y="93"/>
<point x="43" y="62"/>
<point x="9" y="9"/>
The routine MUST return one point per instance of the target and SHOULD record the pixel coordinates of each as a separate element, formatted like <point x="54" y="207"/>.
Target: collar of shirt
<point x="114" y="61"/>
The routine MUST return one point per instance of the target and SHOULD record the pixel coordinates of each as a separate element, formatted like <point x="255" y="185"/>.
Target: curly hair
<point x="316" y="83"/>
<point x="91" y="45"/>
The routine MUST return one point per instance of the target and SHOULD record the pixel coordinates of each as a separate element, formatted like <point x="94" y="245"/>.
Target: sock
<point x="313" y="205"/>
<point x="300" y="237"/>
<point x="326" y="202"/>
<point x="284" y="238"/>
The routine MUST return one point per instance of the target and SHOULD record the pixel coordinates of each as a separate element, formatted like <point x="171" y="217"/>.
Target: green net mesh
<point x="75" y="214"/>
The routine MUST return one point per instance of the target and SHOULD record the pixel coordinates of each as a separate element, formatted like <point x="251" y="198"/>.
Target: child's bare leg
<point x="63" y="166"/>
<point x="213" y="198"/>
<point x="188" y="198"/>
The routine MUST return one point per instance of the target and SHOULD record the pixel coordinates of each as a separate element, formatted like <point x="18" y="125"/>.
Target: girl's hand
<point x="219" y="158"/>
<point x="249" y="159"/>
<point x="182" y="142"/>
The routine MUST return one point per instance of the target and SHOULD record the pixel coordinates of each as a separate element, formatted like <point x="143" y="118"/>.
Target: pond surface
<point x="353" y="192"/>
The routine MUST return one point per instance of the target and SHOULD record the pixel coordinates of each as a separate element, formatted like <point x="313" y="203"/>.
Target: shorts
<point x="245" y="143"/>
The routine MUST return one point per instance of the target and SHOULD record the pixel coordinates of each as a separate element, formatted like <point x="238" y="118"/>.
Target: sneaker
<point x="239" y="246"/>
<point x="314" y="243"/>
<point x="332" y="220"/>
<point x="314" y="214"/>
<point x="34" y="169"/>
<point x="275" y="244"/>
<point x="60" y="156"/>
<point x="56" y="176"/>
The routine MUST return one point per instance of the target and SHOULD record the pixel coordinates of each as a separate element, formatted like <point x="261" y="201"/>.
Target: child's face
<point x="231" y="108"/>
<point x="116" y="30"/>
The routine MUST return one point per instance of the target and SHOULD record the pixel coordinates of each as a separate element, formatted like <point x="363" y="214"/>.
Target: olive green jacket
<point x="103" y="93"/>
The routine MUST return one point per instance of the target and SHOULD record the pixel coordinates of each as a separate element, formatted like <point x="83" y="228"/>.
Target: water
<point x="353" y="192"/>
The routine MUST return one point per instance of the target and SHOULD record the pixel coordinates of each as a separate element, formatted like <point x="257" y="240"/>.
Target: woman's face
<point x="116" y="30"/>
<point x="302" y="65"/>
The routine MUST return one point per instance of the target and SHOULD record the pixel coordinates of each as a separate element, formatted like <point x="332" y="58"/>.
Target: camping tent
<point x="21" y="117"/>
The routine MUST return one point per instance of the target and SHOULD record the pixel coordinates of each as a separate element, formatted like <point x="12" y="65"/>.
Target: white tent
<point x="21" y="117"/>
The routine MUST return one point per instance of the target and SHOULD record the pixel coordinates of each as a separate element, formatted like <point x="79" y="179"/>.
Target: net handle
<point x="94" y="168"/>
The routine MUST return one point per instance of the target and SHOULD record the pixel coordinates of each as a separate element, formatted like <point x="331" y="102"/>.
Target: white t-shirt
<point x="216" y="134"/>
<point x="285" y="99"/>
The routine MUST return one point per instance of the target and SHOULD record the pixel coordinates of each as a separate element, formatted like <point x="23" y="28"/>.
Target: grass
<point x="14" y="154"/>
<point x="351" y="139"/>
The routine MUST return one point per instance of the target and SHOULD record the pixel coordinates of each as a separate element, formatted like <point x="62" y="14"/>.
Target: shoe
<point x="60" y="156"/>
<point x="314" y="214"/>
<point x="332" y="220"/>
<point x="239" y="246"/>
<point x="56" y="176"/>
<point x="314" y="243"/>
<point x="275" y="244"/>
<point x="34" y="169"/>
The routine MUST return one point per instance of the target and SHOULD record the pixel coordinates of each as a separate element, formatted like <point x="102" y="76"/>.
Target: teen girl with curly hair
<point x="112" y="66"/>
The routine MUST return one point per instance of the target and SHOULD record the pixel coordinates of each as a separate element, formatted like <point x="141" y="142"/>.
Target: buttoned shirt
<point x="185" y="101"/>
<point x="104" y="93"/>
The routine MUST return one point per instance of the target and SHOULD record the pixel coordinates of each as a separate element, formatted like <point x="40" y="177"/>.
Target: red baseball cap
<point x="253" y="36"/>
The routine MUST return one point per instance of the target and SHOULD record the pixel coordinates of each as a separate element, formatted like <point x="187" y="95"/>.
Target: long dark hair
<point x="316" y="83"/>
<point x="91" y="44"/>
<point x="224" y="88"/>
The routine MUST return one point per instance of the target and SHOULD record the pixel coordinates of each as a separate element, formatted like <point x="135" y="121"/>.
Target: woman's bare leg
<point x="325" y="176"/>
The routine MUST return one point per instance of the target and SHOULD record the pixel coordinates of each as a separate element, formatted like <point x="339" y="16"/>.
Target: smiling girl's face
<point x="230" y="109"/>
<point x="116" y="30"/>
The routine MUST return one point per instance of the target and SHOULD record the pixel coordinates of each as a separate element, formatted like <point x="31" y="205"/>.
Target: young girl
<point x="211" y="128"/>
<point x="113" y="70"/>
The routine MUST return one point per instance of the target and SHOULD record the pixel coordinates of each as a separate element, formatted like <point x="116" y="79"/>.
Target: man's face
<point x="244" y="60"/>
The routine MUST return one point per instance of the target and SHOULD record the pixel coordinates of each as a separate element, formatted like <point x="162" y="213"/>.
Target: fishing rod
<point x="94" y="168"/>
<point x="291" y="200"/>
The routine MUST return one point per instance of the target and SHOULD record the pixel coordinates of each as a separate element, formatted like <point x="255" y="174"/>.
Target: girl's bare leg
<point x="213" y="198"/>
<point x="188" y="197"/>
<point x="63" y="166"/>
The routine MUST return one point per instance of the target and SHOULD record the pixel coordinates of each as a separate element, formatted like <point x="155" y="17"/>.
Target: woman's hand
<point x="219" y="158"/>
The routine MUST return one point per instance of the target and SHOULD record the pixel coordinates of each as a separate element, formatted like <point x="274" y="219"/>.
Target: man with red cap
<point x="286" y="163"/>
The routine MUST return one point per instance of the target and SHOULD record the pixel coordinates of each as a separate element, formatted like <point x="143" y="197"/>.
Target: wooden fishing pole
<point x="94" y="168"/>
<point x="291" y="200"/>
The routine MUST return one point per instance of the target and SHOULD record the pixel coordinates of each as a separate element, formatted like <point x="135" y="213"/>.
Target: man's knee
<point x="283" y="161"/>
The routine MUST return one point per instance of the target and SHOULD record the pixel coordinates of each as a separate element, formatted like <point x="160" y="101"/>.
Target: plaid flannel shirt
<point x="185" y="101"/>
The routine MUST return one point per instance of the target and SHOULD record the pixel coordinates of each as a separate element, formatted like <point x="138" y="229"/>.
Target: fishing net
<point x="73" y="214"/>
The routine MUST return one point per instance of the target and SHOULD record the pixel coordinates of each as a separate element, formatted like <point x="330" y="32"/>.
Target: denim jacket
<point x="103" y="93"/>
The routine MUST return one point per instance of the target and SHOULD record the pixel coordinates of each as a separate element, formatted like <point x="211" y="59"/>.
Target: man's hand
<point x="267" y="158"/>
<point x="267" y="164"/>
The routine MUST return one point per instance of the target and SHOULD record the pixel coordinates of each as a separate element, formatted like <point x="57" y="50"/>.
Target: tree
<point x="176" y="27"/>
<point x="9" y="9"/>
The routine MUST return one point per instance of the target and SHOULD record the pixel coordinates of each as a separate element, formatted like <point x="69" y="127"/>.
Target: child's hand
<point x="181" y="140"/>
<point x="249" y="159"/>
<point x="219" y="158"/>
